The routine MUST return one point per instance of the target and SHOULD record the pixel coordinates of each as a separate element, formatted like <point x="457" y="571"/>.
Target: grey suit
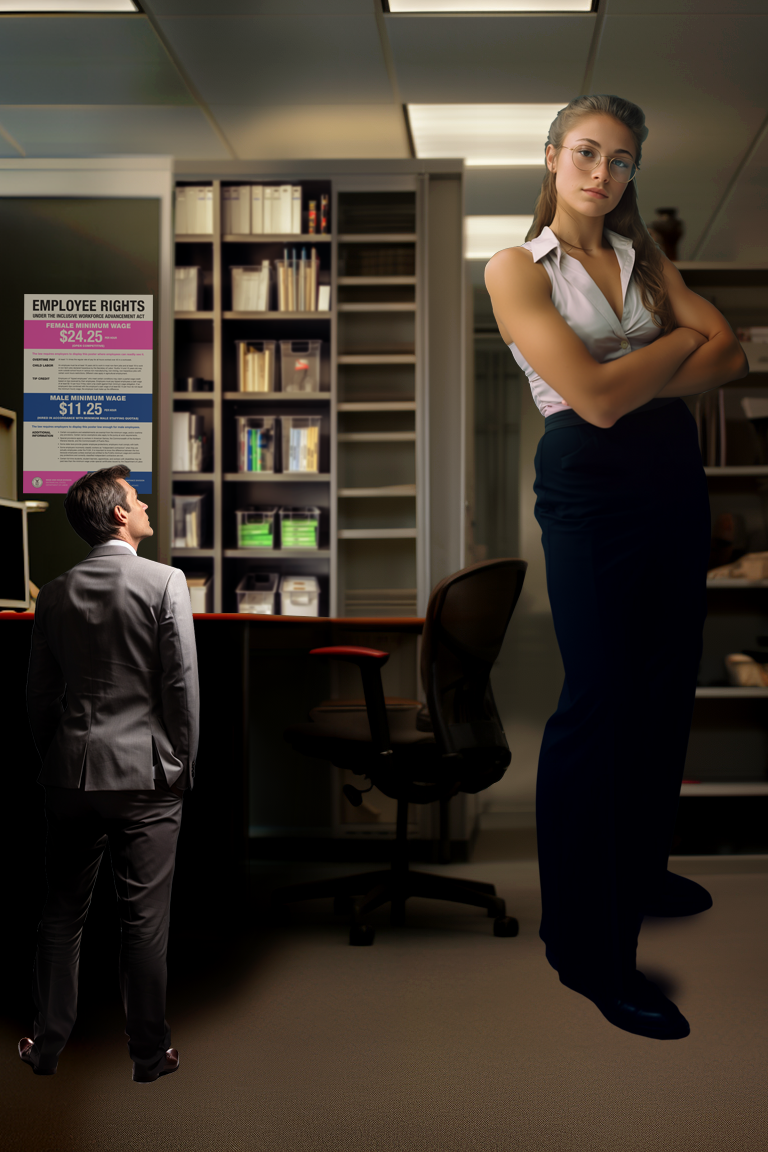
<point x="116" y="634"/>
<point x="112" y="697"/>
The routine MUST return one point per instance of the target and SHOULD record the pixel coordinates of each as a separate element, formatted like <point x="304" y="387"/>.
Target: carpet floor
<point x="438" y="1038"/>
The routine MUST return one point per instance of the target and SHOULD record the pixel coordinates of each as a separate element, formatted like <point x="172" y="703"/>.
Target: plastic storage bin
<point x="256" y="593"/>
<point x="256" y="443"/>
<point x="299" y="596"/>
<point x="301" y="443"/>
<point x="189" y="289"/>
<point x="188" y="514"/>
<point x="299" y="527"/>
<point x="255" y="365"/>
<point x="200" y="591"/>
<point x="300" y="365"/>
<point x="250" y="288"/>
<point x="256" y="527"/>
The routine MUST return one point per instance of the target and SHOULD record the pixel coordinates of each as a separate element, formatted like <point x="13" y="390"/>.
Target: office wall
<point x="83" y="226"/>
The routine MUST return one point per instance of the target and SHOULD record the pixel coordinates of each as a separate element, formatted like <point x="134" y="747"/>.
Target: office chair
<point x="418" y="754"/>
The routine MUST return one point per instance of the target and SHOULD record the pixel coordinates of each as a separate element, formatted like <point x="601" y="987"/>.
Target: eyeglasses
<point x="587" y="159"/>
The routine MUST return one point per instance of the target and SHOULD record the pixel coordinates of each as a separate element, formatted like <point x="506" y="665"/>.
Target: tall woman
<point x="610" y="338"/>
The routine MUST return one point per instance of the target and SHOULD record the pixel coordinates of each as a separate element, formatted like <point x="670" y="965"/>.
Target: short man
<point x="112" y="698"/>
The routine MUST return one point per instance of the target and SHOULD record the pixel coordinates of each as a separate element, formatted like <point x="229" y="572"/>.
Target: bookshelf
<point x="728" y="749"/>
<point x="391" y="517"/>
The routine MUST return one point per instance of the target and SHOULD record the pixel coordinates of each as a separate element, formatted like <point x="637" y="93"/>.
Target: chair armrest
<point x="370" y="662"/>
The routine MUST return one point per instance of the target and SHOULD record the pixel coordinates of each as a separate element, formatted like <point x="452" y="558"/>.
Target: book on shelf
<point x="323" y="214"/>
<point x="194" y="210"/>
<point x="257" y="209"/>
<point x="236" y="209"/>
<point x="303" y="447"/>
<point x="256" y="366"/>
<point x="256" y="448"/>
<point x="188" y="440"/>
<point x="297" y="276"/>
<point x="187" y="520"/>
<point x="188" y="287"/>
<point x="278" y="211"/>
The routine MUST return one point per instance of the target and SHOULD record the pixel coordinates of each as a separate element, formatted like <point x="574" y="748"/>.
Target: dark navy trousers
<point x="625" y="523"/>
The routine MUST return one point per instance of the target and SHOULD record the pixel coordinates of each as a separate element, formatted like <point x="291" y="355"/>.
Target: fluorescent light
<point x="484" y="235"/>
<point x="484" y="135"/>
<point x="68" y="6"/>
<point x="490" y="6"/>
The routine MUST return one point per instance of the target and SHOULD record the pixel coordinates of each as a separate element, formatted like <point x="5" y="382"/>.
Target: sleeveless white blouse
<point x="586" y="310"/>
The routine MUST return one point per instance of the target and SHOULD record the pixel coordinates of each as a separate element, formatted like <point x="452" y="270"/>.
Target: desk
<point x="213" y="843"/>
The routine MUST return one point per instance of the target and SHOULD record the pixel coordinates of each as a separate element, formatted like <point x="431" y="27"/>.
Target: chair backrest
<point x="466" y="621"/>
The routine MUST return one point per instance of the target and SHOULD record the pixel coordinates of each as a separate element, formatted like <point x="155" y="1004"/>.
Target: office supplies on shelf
<point x="250" y="287"/>
<point x="301" y="443"/>
<point x="255" y="365"/>
<point x="188" y="442"/>
<point x="194" y="210"/>
<point x="312" y="220"/>
<point x="323" y="297"/>
<point x="188" y="284"/>
<point x="750" y="566"/>
<point x="296" y="209"/>
<point x="257" y="592"/>
<point x="257" y="209"/>
<point x="192" y="384"/>
<point x="286" y="208"/>
<point x="200" y="587"/>
<point x="300" y="365"/>
<point x="380" y="602"/>
<point x="323" y="213"/>
<point x="256" y="527"/>
<point x="756" y="334"/>
<point x="299" y="596"/>
<point x="236" y="209"/>
<point x="299" y="527"/>
<point x="755" y="409"/>
<point x="297" y="277"/>
<point x="256" y="443"/>
<point x="745" y="672"/>
<point x="188" y="520"/>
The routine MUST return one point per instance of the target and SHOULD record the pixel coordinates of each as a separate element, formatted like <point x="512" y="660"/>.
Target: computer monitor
<point x="14" y="556"/>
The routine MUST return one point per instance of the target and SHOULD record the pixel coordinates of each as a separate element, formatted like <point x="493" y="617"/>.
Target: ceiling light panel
<point x="64" y="6"/>
<point x="423" y="6"/>
<point x="483" y="135"/>
<point x="485" y="235"/>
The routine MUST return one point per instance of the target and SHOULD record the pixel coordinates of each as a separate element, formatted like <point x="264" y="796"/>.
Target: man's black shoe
<point x="643" y="1009"/>
<point x="25" y="1052"/>
<point x="678" y="896"/>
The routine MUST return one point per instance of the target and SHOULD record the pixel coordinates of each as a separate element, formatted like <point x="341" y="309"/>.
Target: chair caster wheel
<point x="505" y="926"/>
<point x="499" y="909"/>
<point x="343" y="905"/>
<point x="361" y="934"/>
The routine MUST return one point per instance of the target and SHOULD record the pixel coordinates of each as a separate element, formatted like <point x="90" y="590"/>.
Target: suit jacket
<point x="113" y="675"/>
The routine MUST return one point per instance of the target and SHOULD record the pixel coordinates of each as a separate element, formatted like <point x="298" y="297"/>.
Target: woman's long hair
<point x="624" y="218"/>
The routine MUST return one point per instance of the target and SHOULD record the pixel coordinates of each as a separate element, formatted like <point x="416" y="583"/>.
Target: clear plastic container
<point x="255" y="365"/>
<point x="300" y="365"/>
<point x="299" y="527"/>
<point x="200" y="591"/>
<point x="257" y="592"/>
<point x="188" y="289"/>
<point x="256" y="527"/>
<point x="301" y="443"/>
<point x="256" y="443"/>
<point x="299" y="596"/>
<point x="188" y="512"/>
<point x="250" y="288"/>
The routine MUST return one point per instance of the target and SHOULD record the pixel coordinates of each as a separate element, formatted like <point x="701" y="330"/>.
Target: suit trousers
<point x="625" y="521"/>
<point x="141" y="828"/>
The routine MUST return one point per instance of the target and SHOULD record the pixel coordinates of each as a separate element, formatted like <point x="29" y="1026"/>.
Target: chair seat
<point x="340" y="732"/>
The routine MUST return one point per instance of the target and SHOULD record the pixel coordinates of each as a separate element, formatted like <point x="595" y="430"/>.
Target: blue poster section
<point x="68" y="406"/>
<point x="141" y="481"/>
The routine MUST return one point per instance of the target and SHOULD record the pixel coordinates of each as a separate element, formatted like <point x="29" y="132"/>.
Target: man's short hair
<point x="90" y="503"/>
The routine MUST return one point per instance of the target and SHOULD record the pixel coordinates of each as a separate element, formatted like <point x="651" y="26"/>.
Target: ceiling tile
<point x="282" y="60"/>
<point x="688" y="7"/>
<point x="111" y="130"/>
<point x="315" y="132"/>
<point x="703" y="85"/>
<point x="740" y="232"/>
<point x="492" y="59"/>
<point x="83" y="60"/>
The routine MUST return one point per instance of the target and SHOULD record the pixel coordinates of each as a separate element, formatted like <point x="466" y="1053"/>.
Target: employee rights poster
<point x="87" y="388"/>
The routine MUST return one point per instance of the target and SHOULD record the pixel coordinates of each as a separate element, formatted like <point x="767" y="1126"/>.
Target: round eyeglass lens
<point x="587" y="159"/>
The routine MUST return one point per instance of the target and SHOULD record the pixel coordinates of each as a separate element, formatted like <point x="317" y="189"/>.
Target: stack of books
<point x="194" y="210"/>
<point x="302" y="443"/>
<point x="297" y="286"/>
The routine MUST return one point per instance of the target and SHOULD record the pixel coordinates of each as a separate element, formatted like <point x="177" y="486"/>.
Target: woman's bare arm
<point x="600" y="393"/>
<point x="718" y="361"/>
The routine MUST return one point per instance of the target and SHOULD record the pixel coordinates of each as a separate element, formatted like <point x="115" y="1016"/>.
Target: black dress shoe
<point x="25" y="1052"/>
<point x="643" y="1009"/>
<point x="678" y="896"/>
<point x="169" y="1063"/>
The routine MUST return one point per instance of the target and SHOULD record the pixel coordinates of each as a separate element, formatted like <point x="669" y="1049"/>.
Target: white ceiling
<point x="216" y="80"/>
